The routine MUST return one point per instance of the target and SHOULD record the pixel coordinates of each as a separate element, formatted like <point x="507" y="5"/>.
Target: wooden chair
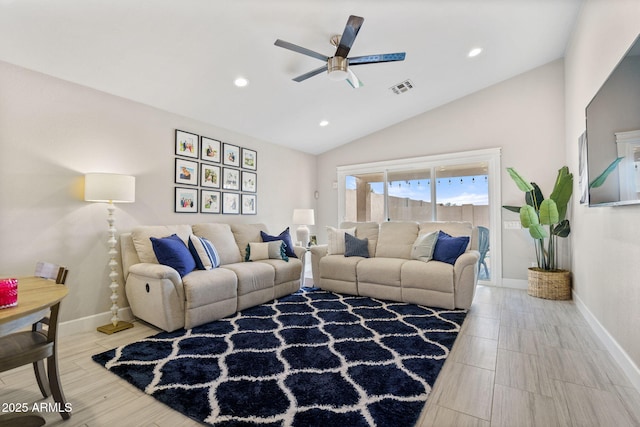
<point x="34" y="346"/>
<point x="55" y="272"/>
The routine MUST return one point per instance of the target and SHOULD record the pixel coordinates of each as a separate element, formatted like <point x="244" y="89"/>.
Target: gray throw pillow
<point x="424" y="245"/>
<point x="356" y="247"/>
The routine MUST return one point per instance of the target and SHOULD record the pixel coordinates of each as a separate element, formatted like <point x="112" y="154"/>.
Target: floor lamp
<point x="111" y="188"/>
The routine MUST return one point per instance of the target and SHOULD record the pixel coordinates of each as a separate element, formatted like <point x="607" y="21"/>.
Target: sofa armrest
<point x="465" y="273"/>
<point x="317" y="252"/>
<point x="300" y="251"/>
<point x="151" y="271"/>
<point x="156" y="271"/>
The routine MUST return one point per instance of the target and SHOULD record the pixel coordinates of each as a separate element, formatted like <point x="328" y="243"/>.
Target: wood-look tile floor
<point x="518" y="361"/>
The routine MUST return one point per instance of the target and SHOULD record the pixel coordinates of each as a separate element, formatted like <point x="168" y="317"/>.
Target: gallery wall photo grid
<point x="214" y="177"/>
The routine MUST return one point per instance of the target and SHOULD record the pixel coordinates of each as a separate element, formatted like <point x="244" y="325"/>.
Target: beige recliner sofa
<point x="391" y="273"/>
<point x="158" y="295"/>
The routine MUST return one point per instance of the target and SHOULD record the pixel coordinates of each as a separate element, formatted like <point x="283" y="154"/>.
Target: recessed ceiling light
<point x="324" y="123"/>
<point x="241" y="82"/>
<point x="474" y="52"/>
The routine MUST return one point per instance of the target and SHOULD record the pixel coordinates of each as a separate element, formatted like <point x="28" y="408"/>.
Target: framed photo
<point x="230" y="155"/>
<point x="249" y="204"/>
<point x="210" y="149"/>
<point x="186" y="172"/>
<point x="186" y="144"/>
<point x="230" y="203"/>
<point x="230" y="179"/>
<point x="186" y="200"/>
<point x="249" y="181"/>
<point x="249" y="159"/>
<point x="209" y="175"/>
<point x="210" y="201"/>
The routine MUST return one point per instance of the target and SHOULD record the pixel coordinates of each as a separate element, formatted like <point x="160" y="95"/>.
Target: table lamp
<point x="111" y="188"/>
<point x="302" y="218"/>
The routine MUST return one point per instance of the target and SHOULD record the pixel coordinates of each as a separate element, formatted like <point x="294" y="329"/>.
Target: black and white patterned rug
<point x="314" y="358"/>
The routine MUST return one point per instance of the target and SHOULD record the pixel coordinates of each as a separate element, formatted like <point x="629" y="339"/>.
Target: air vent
<point x="402" y="87"/>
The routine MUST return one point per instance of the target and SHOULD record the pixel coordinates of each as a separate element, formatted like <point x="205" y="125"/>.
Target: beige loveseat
<point x="158" y="294"/>
<point x="391" y="272"/>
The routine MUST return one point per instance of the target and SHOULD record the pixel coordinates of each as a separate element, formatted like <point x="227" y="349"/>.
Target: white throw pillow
<point x="257" y="251"/>
<point x="336" y="239"/>
<point x="424" y="245"/>
<point x="204" y="253"/>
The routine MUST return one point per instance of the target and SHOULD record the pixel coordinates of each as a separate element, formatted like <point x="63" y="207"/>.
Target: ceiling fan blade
<point x="371" y="59"/>
<point x="300" y="49"/>
<point x="349" y="35"/>
<point x="311" y="73"/>
<point x="353" y="80"/>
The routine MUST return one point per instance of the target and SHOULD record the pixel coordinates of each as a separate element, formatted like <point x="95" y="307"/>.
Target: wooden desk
<point x="35" y="296"/>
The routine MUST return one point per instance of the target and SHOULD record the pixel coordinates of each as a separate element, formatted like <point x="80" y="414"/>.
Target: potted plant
<point x="546" y="221"/>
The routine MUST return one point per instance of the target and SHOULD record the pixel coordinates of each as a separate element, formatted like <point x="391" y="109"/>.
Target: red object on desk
<point x="8" y="293"/>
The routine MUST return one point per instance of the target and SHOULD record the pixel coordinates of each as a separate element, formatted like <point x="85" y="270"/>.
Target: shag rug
<point x="314" y="358"/>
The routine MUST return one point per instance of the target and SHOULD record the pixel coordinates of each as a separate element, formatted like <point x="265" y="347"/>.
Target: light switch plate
<point x="512" y="225"/>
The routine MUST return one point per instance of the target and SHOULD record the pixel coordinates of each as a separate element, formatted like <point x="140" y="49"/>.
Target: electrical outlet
<point x="512" y="225"/>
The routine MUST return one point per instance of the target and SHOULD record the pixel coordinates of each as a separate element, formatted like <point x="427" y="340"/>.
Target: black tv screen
<point x="613" y="135"/>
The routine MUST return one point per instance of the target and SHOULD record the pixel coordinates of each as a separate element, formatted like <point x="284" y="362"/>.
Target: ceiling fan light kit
<point x="337" y="66"/>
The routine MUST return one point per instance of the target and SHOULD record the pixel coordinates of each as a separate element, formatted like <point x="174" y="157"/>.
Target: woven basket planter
<point x="546" y="284"/>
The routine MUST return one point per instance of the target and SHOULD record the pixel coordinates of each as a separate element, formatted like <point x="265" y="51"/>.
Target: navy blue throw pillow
<point x="285" y="237"/>
<point x="355" y="247"/>
<point x="448" y="248"/>
<point x="172" y="251"/>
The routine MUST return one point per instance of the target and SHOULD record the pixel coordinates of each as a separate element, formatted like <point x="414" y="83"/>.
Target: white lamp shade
<point x="303" y="216"/>
<point x="109" y="187"/>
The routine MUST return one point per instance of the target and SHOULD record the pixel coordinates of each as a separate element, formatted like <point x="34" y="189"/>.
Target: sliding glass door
<point x="364" y="197"/>
<point x="409" y="195"/>
<point x="456" y="187"/>
<point x="462" y="194"/>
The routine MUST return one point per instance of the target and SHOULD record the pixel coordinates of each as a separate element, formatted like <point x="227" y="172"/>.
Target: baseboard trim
<point x="617" y="352"/>
<point x="90" y="323"/>
<point x="515" y="283"/>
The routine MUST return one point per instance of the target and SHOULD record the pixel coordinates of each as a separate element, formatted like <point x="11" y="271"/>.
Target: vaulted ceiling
<point x="183" y="56"/>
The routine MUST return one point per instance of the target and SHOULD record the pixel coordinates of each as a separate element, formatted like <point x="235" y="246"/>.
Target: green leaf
<point x="534" y="197"/>
<point x="522" y="183"/>
<point x="528" y="216"/>
<point x="549" y="212"/>
<point x="537" y="231"/>
<point x="563" y="229"/>
<point x="515" y="209"/>
<point x="562" y="191"/>
<point x="603" y="176"/>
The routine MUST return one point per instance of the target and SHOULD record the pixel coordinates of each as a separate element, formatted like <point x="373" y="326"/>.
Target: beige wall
<point x="605" y="240"/>
<point x="524" y="116"/>
<point x="52" y="132"/>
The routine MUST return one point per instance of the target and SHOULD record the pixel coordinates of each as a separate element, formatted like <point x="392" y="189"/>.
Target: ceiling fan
<point x="338" y="66"/>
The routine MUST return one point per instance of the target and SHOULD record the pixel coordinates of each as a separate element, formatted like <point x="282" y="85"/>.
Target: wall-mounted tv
<point x="613" y="135"/>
